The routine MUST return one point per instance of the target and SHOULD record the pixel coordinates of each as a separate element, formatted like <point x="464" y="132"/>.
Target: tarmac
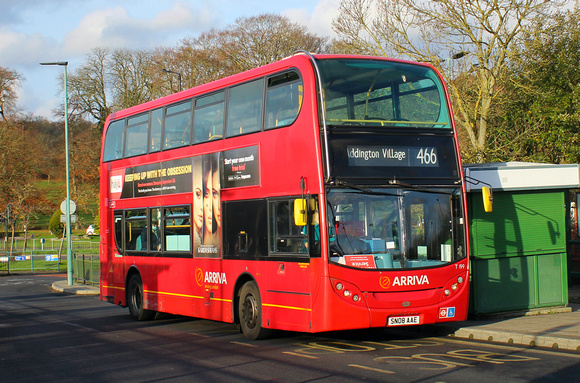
<point x="554" y="327"/>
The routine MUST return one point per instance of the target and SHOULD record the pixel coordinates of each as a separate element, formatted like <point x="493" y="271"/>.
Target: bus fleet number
<point x="427" y="156"/>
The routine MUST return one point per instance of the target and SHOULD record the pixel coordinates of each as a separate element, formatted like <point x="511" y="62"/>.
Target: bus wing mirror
<point x="300" y="215"/>
<point x="487" y="199"/>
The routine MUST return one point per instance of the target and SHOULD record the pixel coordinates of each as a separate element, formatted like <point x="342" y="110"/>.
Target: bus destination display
<point x="392" y="156"/>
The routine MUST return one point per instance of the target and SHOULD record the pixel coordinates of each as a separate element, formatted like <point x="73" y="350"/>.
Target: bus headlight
<point x="453" y="287"/>
<point x="349" y="292"/>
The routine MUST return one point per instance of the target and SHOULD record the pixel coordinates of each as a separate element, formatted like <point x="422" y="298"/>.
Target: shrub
<point x="55" y="226"/>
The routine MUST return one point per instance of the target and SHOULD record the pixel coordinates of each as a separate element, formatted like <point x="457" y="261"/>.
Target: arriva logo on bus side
<point x="209" y="277"/>
<point x="199" y="276"/>
<point x="215" y="277"/>
<point x="403" y="280"/>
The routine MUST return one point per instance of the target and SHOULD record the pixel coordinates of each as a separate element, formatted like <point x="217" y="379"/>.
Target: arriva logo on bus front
<point x="404" y="280"/>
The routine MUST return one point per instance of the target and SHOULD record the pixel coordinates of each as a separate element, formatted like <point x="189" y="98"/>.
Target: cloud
<point x="34" y="31"/>
<point x="320" y="21"/>
<point x="19" y="49"/>
<point x="116" y="28"/>
<point x="15" y="12"/>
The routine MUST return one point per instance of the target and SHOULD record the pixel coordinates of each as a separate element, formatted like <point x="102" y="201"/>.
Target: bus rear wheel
<point x="250" y="312"/>
<point x="135" y="300"/>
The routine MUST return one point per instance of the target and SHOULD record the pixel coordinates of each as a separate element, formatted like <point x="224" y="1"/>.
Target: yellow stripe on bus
<point x="186" y="296"/>
<point x="172" y="294"/>
<point x="113" y="287"/>
<point x="213" y="299"/>
<point x="286" y="307"/>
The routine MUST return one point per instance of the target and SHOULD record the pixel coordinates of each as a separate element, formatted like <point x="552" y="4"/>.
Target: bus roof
<point x="215" y="85"/>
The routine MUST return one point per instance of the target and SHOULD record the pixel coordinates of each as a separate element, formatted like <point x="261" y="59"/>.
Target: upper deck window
<point x="113" y="149"/>
<point x="271" y="101"/>
<point x="283" y="99"/>
<point x="137" y="132"/>
<point x="156" y="129"/>
<point x="209" y="117"/>
<point x="245" y="108"/>
<point x="177" y="125"/>
<point x="383" y="93"/>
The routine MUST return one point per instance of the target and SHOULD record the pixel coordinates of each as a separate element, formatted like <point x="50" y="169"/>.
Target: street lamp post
<point x="68" y="207"/>
<point x="178" y="76"/>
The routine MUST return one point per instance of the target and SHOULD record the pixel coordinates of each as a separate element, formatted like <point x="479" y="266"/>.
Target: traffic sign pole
<point x="67" y="207"/>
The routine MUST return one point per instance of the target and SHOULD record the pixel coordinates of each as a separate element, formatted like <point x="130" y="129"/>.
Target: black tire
<point x="135" y="300"/>
<point x="250" y="312"/>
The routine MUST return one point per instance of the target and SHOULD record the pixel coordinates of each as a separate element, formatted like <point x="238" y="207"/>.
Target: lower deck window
<point x="285" y="236"/>
<point x="154" y="230"/>
<point x="177" y="229"/>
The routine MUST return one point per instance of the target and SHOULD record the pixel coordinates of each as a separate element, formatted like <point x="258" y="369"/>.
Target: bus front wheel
<point x="250" y="312"/>
<point x="135" y="300"/>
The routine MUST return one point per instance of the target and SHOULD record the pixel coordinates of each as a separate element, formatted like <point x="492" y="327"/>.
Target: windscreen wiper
<point x="351" y="186"/>
<point x="396" y="182"/>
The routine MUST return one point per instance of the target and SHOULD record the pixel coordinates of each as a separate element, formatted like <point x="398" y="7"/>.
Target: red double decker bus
<point x="317" y="193"/>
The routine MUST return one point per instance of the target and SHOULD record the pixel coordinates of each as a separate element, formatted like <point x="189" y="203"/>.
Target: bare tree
<point x="439" y="32"/>
<point x="255" y="41"/>
<point x="89" y="88"/>
<point x="260" y="40"/>
<point x="129" y="77"/>
<point x="248" y="43"/>
<point x="191" y="60"/>
<point x="113" y="80"/>
<point x="10" y="82"/>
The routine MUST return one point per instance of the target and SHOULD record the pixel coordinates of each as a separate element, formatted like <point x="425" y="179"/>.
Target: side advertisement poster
<point x="204" y="176"/>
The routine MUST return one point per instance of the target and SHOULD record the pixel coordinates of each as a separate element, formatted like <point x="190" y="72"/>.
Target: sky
<point x="35" y="31"/>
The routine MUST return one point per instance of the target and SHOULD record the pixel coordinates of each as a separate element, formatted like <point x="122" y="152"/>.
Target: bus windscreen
<point x="382" y="93"/>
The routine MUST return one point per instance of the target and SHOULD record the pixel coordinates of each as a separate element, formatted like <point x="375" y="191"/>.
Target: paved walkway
<point x="554" y="328"/>
<point x="63" y="287"/>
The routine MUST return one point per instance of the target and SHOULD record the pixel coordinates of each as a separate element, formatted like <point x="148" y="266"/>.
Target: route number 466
<point x="427" y="156"/>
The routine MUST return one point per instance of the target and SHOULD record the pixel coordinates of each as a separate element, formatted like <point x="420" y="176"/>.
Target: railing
<point x="31" y="261"/>
<point x="35" y="255"/>
<point x="50" y="244"/>
<point x="86" y="269"/>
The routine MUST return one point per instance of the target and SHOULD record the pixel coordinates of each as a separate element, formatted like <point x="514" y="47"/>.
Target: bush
<point x="55" y="226"/>
<point x="97" y="222"/>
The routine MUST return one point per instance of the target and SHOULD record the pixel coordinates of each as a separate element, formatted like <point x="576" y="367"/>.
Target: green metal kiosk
<point x="518" y="251"/>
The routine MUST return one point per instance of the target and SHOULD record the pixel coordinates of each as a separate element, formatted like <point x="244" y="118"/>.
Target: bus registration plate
<point x="403" y="320"/>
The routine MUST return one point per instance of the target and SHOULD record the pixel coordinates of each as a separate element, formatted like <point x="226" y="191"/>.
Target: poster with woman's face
<point x="198" y="216"/>
<point x="212" y="172"/>
<point x="207" y="205"/>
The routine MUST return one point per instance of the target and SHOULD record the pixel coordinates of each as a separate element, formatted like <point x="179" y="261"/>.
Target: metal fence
<point x="31" y="261"/>
<point x="49" y="244"/>
<point x="86" y="269"/>
<point x="86" y="266"/>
